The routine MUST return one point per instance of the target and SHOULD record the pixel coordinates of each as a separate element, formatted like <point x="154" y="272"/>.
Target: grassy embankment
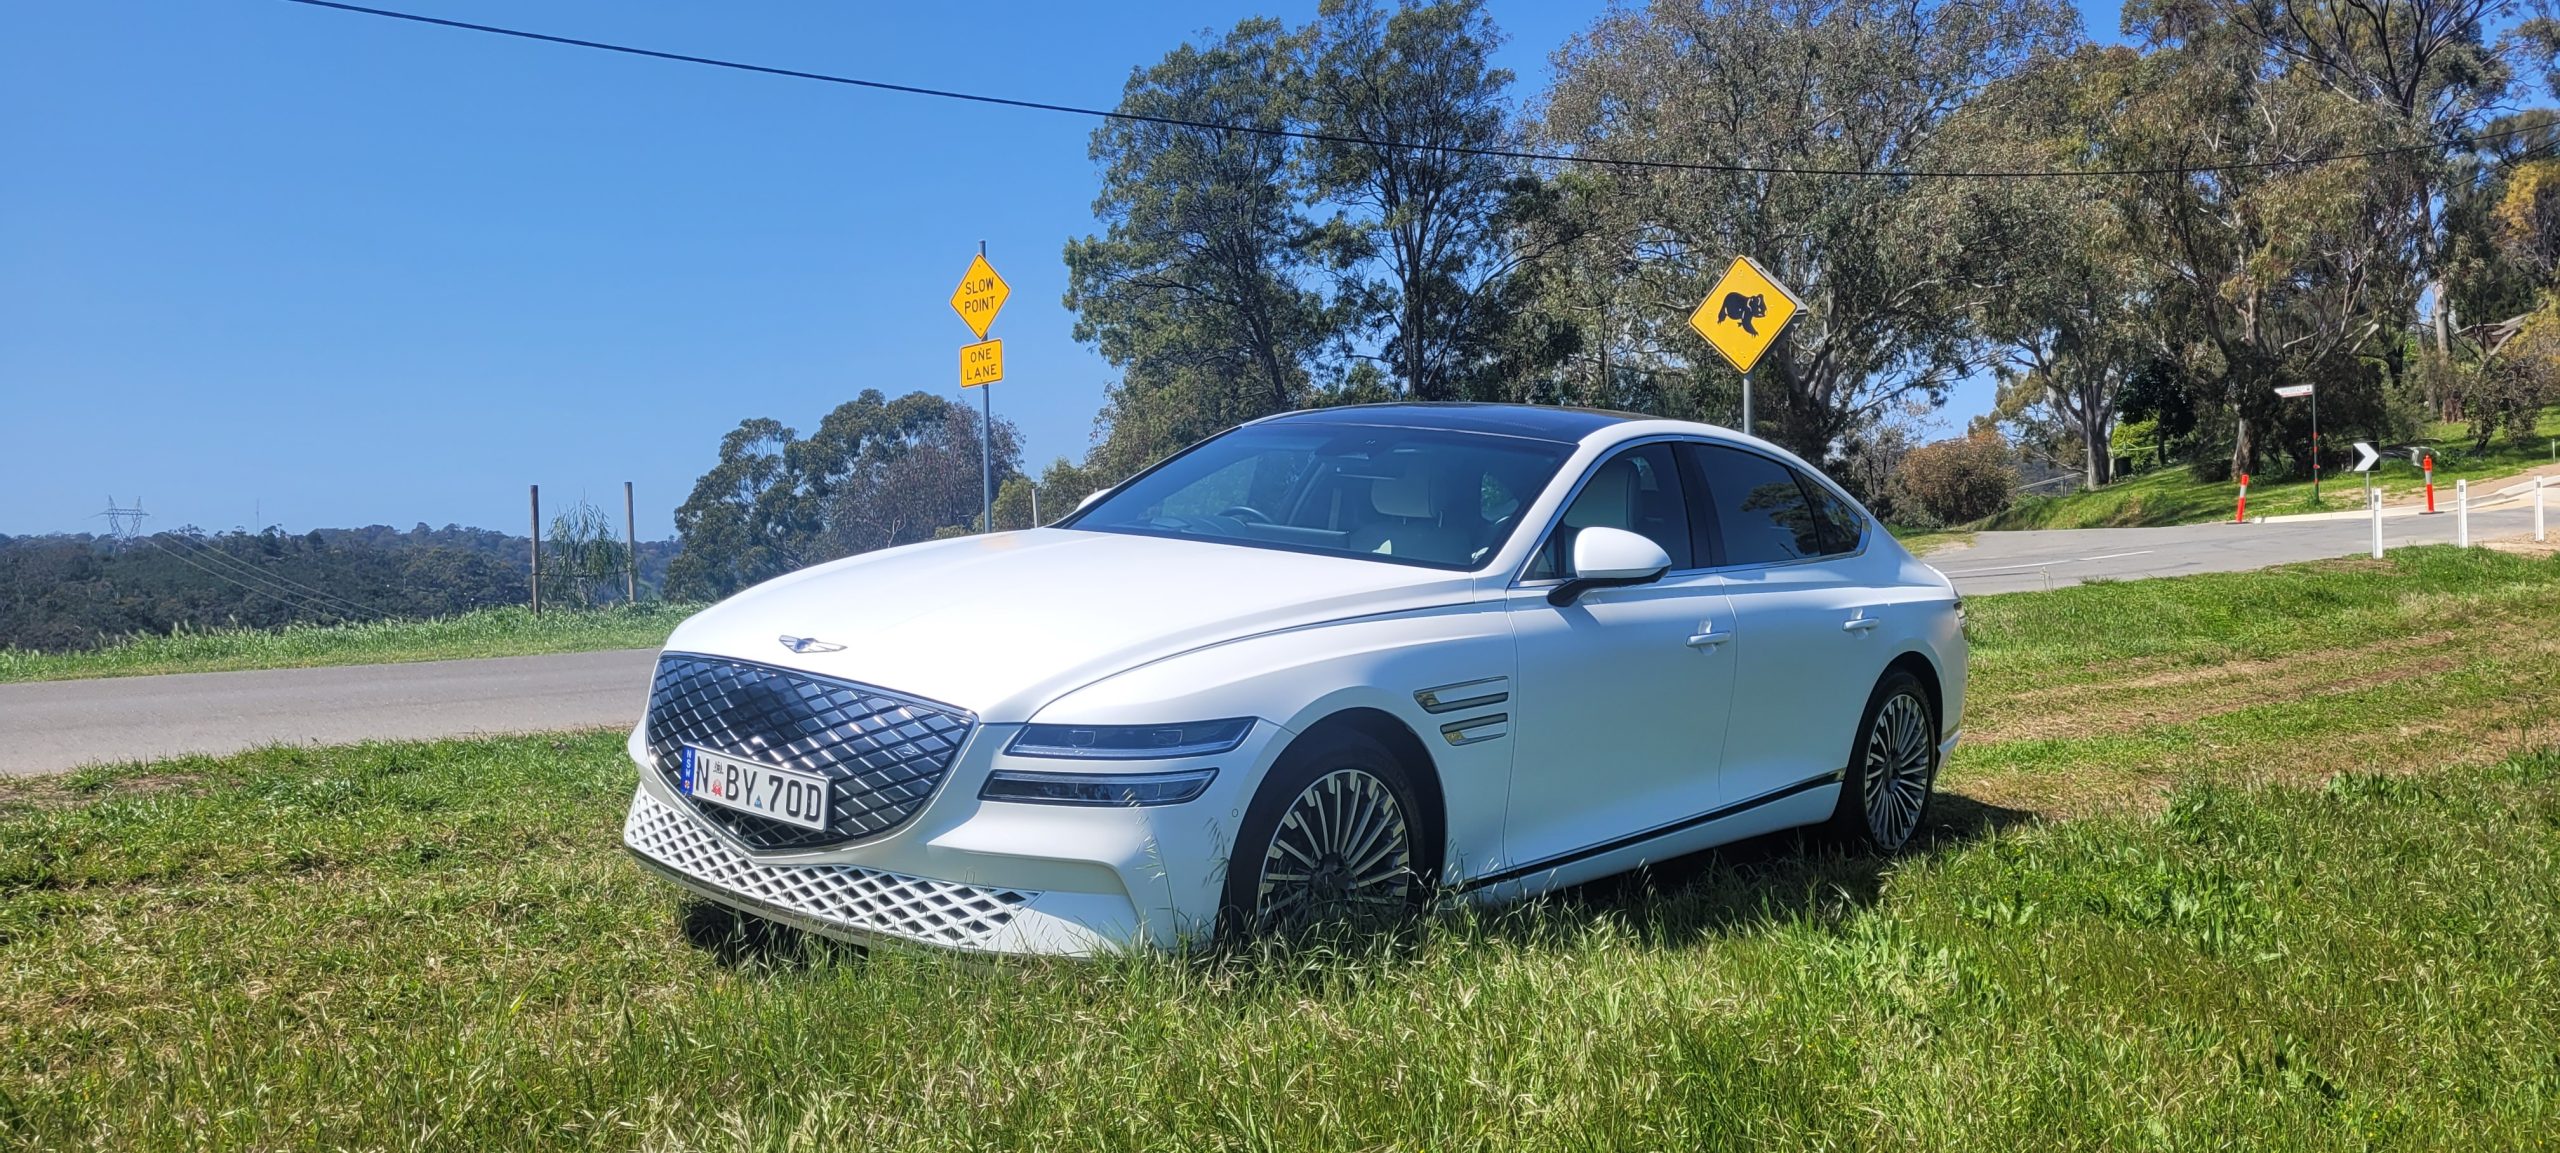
<point x="2174" y="495"/>
<point x="500" y="632"/>
<point x="2308" y="898"/>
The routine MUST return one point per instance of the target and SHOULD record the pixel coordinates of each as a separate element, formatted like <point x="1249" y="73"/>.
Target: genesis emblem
<point x="808" y="644"/>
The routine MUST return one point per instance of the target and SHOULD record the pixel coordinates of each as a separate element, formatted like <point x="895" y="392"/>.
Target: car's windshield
<point x="1408" y="495"/>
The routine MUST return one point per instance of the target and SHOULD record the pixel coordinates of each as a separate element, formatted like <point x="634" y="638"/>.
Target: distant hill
<point x="60" y="592"/>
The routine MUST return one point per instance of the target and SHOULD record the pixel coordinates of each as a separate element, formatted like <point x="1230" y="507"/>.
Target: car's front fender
<point x="1297" y="678"/>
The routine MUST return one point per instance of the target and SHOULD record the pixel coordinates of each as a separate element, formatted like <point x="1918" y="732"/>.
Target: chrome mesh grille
<point x="934" y="912"/>
<point x="882" y="753"/>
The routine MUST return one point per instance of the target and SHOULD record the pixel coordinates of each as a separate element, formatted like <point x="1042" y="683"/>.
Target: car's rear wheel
<point x="1330" y="839"/>
<point x="1893" y="768"/>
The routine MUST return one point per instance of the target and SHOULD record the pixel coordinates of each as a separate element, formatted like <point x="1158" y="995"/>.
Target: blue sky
<point x="267" y="264"/>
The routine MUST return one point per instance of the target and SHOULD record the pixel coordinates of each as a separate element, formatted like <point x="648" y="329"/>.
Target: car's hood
<point x="1002" y="624"/>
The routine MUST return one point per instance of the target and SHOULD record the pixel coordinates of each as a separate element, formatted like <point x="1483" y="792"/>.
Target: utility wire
<point x="2463" y="141"/>
<point x="270" y="593"/>
<point x="324" y="598"/>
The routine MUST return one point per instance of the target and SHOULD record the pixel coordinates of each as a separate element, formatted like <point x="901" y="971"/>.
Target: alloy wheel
<point x="1342" y="852"/>
<point x="1900" y="758"/>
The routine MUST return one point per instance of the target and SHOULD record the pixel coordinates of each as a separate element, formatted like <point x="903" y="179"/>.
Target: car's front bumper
<point x="869" y="906"/>
<point x="975" y="875"/>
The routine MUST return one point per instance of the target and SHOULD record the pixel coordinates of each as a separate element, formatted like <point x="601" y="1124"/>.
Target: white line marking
<point x="2031" y="566"/>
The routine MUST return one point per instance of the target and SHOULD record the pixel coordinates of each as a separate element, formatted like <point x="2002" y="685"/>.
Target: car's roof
<point x="1541" y="421"/>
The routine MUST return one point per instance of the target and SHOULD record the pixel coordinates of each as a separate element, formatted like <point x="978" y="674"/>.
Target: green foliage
<point x="1890" y="269"/>
<point x="1196" y="290"/>
<point x="1956" y="481"/>
<point x="73" y="592"/>
<point x="877" y="473"/>
<point x="583" y="557"/>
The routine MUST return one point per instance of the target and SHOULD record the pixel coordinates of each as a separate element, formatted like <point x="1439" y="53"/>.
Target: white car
<point x="1327" y="662"/>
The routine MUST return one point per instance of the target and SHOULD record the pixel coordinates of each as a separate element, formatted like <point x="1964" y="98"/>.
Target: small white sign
<point x="2294" y="391"/>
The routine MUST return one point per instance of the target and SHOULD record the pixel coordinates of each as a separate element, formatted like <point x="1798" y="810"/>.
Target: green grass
<point x="2174" y="496"/>
<point x="2333" y="933"/>
<point x="499" y="632"/>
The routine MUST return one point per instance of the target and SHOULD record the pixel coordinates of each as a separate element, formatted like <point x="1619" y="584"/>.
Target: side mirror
<point x="1610" y="558"/>
<point x="1091" y="497"/>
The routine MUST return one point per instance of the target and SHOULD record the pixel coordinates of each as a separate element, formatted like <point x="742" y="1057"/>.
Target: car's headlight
<point x="1131" y="742"/>
<point x="1123" y="789"/>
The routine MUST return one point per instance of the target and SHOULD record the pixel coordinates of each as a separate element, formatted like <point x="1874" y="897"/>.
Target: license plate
<point x="785" y="795"/>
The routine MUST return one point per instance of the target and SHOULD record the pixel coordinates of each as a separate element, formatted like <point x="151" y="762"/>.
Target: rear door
<point x="1623" y="693"/>
<point x="1805" y="620"/>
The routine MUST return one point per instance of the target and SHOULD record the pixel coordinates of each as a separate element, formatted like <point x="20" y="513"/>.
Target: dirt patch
<point x="2194" y="692"/>
<point x="56" y="791"/>
<point x="2523" y="544"/>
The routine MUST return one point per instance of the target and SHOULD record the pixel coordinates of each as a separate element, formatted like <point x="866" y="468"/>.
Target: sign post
<point x="2366" y="458"/>
<point x="2296" y="392"/>
<point x="1742" y="316"/>
<point x="979" y="298"/>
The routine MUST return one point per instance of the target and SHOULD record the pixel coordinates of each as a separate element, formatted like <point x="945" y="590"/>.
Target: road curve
<point x="48" y="726"/>
<point x="54" y="725"/>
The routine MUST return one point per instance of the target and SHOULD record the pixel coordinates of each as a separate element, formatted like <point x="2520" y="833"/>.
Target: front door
<point x="1624" y="693"/>
<point x="1804" y="623"/>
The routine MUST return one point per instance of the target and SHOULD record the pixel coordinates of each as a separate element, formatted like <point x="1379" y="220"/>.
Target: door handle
<point x="1859" y="624"/>
<point x="1710" y="638"/>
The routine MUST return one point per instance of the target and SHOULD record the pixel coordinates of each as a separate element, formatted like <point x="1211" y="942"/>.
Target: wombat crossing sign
<point x="1744" y="313"/>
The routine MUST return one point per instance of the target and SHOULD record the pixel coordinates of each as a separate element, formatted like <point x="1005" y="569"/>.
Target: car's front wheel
<point x="1331" y="838"/>
<point x="1892" y="769"/>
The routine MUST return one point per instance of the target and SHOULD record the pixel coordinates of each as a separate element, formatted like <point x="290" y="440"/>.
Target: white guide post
<point x="2539" y="483"/>
<point x="2462" y="513"/>
<point x="2373" y="501"/>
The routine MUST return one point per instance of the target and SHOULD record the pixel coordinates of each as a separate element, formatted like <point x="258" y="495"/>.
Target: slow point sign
<point x="981" y="363"/>
<point x="980" y="296"/>
<point x="1744" y="313"/>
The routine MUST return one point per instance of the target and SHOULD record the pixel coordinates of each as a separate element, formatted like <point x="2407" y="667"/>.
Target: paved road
<point x="50" y="726"/>
<point x="2051" y="558"/>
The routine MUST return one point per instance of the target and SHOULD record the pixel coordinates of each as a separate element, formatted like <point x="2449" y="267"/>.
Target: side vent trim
<point x="1475" y="694"/>
<point x="1474" y="729"/>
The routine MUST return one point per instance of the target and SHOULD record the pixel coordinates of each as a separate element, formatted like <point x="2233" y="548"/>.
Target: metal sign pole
<point x="987" y="448"/>
<point x="1746" y="404"/>
<point x="2315" y="444"/>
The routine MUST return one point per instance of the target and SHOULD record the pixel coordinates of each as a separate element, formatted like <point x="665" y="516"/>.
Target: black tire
<point x="1348" y="763"/>
<point x="1883" y="752"/>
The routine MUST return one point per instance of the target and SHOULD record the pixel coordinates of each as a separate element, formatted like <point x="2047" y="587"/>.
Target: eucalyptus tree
<point x="1786" y="108"/>
<point x="1407" y="111"/>
<point x="1200" y="289"/>
<point x="876" y="473"/>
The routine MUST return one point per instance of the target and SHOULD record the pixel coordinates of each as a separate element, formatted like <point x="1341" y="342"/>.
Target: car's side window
<point x="1842" y="525"/>
<point x="1637" y="490"/>
<point x="1760" y="510"/>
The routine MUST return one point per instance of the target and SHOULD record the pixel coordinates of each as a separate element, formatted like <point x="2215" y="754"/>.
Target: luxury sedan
<point x="1327" y="664"/>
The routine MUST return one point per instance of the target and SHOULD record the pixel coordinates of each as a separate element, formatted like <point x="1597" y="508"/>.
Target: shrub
<point x="1957" y="481"/>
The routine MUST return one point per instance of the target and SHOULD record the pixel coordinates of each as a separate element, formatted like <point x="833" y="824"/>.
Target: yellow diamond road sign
<point x="980" y="296"/>
<point x="1744" y="313"/>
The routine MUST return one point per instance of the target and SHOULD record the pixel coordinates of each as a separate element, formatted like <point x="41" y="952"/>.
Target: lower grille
<point x="882" y="753"/>
<point x="866" y="900"/>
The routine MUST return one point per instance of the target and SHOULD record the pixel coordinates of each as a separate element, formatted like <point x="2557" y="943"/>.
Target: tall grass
<point x="2315" y="912"/>
<point x="510" y="631"/>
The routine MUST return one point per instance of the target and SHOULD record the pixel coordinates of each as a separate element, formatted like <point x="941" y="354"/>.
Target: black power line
<point x="2465" y="141"/>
